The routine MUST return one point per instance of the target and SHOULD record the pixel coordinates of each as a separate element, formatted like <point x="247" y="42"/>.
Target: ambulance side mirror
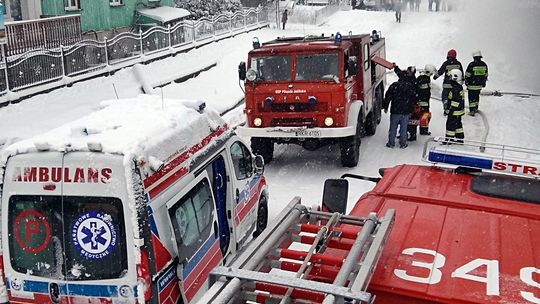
<point x="242" y="71"/>
<point x="335" y="195"/>
<point x="259" y="164"/>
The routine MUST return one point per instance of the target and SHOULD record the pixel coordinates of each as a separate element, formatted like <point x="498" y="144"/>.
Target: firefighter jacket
<point x="476" y="74"/>
<point x="447" y="66"/>
<point x="401" y="94"/>
<point x="423" y="90"/>
<point x="456" y="100"/>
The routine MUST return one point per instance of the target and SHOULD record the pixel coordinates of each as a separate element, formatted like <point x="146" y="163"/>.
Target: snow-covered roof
<point x="141" y="126"/>
<point x="164" y="13"/>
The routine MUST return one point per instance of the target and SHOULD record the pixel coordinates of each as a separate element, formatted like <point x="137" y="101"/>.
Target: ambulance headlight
<point x="328" y="121"/>
<point x="257" y="122"/>
<point x="251" y="75"/>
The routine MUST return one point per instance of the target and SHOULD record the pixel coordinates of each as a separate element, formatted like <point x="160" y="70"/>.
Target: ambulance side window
<point x="192" y="218"/>
<point x="241" y="157"/>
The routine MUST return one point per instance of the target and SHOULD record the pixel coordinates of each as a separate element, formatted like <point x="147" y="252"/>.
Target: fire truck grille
<point x="292" y="107"/>
<point x="292" y="122"/>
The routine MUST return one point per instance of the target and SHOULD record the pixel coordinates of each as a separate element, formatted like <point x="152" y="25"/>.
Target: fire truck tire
<point x="350" y="146"/>
<point x="263" y="147"/>
<point x="262" y="216"/>
<point x="378" y="103"/>
<point x="371" y="123"/>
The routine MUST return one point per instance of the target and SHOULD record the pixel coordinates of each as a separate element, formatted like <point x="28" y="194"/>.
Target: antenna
<point x="115" y="92"/>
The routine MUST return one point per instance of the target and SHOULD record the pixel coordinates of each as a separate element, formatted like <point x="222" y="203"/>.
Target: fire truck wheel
<point x="371" y="123"/>
<point x="350" y="146"/>
<point x="263" y="147"/>
<point x="378" y="104"/>
<point x="262" y="216"/>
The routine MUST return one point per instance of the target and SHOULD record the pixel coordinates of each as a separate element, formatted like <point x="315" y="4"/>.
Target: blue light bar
<point x="459" y="160"/>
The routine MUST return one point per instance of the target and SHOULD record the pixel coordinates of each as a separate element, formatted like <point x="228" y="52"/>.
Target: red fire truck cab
<point x="313" y="91"/>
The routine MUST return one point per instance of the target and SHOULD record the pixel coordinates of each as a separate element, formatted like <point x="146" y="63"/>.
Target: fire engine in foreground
<point x="465" y="230"/>
<point x="313" y="91"/>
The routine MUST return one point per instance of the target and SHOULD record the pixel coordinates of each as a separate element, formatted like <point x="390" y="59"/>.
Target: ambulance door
<point x="244" y="183"/>
<point x="196" y="233"/>
<point x="219" y="185"/>
<point x="32" y="232"/>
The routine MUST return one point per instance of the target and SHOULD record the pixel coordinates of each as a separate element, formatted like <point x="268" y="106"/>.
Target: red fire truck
<point x="313" y="91"/>
<point x="465" y="230"/>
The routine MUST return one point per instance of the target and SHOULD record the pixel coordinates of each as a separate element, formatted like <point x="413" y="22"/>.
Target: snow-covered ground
<point x="503" y="30"/>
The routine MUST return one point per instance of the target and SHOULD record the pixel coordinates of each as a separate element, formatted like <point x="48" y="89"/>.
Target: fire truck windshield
<point x="317" y="67"/>
<point x="272" y="68"/>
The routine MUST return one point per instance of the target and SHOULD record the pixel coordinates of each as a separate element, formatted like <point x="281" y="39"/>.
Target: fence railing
<point x="44" y="69"/>
<point x="23" y="36"/>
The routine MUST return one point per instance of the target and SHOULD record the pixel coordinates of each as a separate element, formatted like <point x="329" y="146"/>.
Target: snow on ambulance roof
<point x="145" y="125"/>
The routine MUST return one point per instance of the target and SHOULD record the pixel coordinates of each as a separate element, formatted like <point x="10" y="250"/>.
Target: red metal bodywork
<point x="451" y="245"/>
<point x="333" y="99"/>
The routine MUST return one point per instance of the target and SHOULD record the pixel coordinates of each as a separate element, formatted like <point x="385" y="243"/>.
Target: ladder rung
<point x="315" y="258"/>
<point x="321" y="273"/>
<point x="337" y="243"/>
<point x="346" y="232"/>
<point x="296" y="293"/>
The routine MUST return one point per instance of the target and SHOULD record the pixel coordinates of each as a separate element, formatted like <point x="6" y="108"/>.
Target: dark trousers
<point x="474" y="100"/>
<point x="398" y="16"/>
<point x="284" y="25"/>
<point x="454" y="127"/>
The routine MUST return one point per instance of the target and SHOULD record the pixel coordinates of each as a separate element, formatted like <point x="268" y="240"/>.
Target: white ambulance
<point x="134" y="203"/>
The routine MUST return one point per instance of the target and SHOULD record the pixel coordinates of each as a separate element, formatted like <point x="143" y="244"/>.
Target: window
<point x="192" y="217"/>
<point x="116" y="2"/>
<point x="317" y="67"/>
<point x="242" y="162"/>
<point x="367" y="57"/>
<point x="72" y="5"/>
<point x="272" y="68"/>
<point x="507" y="187"/>
<point x="67" y="238"/>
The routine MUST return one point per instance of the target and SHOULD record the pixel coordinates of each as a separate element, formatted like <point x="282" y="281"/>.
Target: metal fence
<point x="44" y="69"/>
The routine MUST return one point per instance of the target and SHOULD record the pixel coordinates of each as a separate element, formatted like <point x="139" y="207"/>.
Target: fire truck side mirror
<point x="259" y="164"/>
<point x="335" y="195"/>
<point x="242" y="71"/>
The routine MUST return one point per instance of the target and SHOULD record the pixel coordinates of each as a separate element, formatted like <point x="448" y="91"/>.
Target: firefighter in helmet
<point x="475" y="79"/>
<point x="450" y="64"/>
<point x="456" y="106"/>
<point x="423" y="91"/>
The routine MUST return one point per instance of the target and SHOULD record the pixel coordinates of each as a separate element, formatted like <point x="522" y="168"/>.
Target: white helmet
<point x="430" y="69"/>
<point x="456" y="75"/>
<point x="477" y="54"/>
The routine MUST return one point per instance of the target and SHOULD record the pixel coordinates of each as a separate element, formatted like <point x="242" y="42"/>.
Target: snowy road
<point x="422" y="38"/>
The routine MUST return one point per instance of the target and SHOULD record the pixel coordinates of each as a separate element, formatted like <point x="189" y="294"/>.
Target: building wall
<point x="98" y="15"/>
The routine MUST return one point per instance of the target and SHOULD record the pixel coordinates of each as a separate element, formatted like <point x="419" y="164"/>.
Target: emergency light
<point x="472" y="154"/>
<point x="338" y="37"/>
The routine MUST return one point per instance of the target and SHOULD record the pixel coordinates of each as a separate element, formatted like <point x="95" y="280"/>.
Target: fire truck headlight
<point x="257" y="122"/>
<point x="312" y="100"/>
<point x="328" y="121"/>
<point x="251" y="75"/>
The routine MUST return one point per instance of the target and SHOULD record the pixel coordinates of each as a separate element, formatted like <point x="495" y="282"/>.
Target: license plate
<point x="308" y="133"/>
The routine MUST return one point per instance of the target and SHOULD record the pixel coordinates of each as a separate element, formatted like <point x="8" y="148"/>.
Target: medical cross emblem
<point x="94" y="235"/>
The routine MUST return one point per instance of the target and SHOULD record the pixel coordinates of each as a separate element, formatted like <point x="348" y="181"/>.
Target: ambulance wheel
<point x="350" y="146"/>
<point x="371" y="123"/>
<point x="263" y="147"/>
<point x="262" y="216"/>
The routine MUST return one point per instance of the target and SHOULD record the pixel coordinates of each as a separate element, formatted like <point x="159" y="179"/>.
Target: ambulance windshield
<point x="67" y="238"/>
